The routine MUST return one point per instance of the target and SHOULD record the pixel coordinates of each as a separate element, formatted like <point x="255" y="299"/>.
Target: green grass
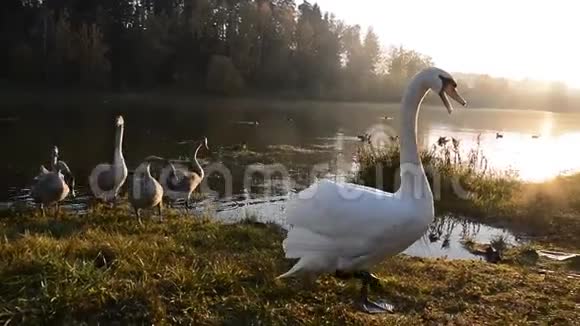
<point x="549" y="211"/>
<point x="106" y="268"/>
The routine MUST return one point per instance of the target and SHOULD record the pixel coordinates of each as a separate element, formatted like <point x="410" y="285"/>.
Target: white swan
<point x="346" y="229"/>
<point x="106" y="180"/>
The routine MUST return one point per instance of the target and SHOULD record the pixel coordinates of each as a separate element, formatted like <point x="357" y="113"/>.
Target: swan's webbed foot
<point x="366" y="305"/>
<point x="375" y="307"/>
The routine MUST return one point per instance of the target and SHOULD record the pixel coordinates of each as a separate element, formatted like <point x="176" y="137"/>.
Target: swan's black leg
<point x="366" y="305"/>
<point x="373" y="281"/>
<point x="138" y="214"/>
<point x="42" y="212"/>
<point x="159" y="211"/>
<point x="57" y="210"/>
<point x="187" y="205"/>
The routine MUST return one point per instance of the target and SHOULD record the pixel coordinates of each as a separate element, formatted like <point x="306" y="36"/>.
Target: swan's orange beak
<point x="452" y="92"/>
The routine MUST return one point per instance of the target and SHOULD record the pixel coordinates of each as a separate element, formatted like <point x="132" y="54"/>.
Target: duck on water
<point x="345" y="229"/>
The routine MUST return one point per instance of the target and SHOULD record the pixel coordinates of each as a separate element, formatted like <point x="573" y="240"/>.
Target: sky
<point x="537" y="39"/>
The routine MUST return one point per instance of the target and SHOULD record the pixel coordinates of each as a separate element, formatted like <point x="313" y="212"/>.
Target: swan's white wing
<point x="341" y="226"/>
<point x="343" y="210"/>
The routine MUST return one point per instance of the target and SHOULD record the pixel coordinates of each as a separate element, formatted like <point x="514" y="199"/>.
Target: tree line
<point x="217" y="47"/>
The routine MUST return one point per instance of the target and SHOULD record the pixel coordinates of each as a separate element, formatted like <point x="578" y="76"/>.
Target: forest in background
<point x="226" y="47"/>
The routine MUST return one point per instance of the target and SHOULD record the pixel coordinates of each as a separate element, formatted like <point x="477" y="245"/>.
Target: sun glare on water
<point x="534" y="157"/>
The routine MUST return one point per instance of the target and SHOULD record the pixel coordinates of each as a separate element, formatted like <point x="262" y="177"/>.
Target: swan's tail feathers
<point x="302" y="243"/>
<point x="313" y="250"/>
<point x="297" y="268"/>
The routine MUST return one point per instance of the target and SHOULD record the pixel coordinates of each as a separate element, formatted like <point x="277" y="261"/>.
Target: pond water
<point x="301" y="137"/>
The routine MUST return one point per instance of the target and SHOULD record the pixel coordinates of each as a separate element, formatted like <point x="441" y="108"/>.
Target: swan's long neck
<point x="54" y="162"/>
<point x="118" y="155"/>
<point x="413" y="179"/>
<point x="148" y="171"/>
<point x="143" y="171"/>
<point x="197" y="165"/>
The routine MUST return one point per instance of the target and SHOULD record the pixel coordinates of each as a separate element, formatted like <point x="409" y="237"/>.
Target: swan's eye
<point x="448" y="82"/>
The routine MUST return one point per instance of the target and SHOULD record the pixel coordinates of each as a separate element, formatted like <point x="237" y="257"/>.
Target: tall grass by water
<point x="465" y="185"/>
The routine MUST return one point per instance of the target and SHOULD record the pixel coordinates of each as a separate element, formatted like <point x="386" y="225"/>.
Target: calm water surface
<point x="298" y="135"/>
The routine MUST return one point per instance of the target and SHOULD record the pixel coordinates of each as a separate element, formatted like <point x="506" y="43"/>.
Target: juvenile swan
<point x="145" y="192"/>
<point x="346" y="229"/>
<point x="52" y="187"/>
<point x="106" y="180"/>
<point x="181" y="182"/>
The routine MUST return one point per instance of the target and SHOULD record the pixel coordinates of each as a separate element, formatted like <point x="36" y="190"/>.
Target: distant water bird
<point x="106" y="180"/>
<point x="184" y="142"/>
<point x="387" y="118"/>
<point x="54" y="185"/>
<point x="365" y="138"/>
<point x="535" y="136"/>
<point x="243" y="146"/>
<point x="180" y="183"/>
<point x="145" y="192"/>
<point x="248" y="123"/>
<point x="498" y="135"/>
<point x="442" y="141"/>
<point x="490" y="254"/>
<point x="346" y="229"/>
<point x="455" y="142"/>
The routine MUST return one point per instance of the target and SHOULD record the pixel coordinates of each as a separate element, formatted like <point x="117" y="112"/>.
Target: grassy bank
<point x="107" y="267"/>
<point x="549" y="211"/>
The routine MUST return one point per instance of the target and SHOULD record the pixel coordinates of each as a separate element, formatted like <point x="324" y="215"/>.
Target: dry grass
<point x="107" y="268"/>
